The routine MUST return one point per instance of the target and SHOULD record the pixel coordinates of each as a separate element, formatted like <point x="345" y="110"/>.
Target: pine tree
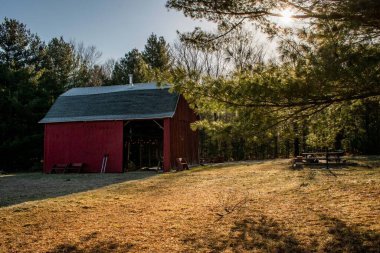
<point x="131" y="63"/>
<point x="156" y="53"/>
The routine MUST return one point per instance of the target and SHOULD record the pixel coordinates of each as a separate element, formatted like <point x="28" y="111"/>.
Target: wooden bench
<point x="75" y="167"/>
<point x="59" y="168"/>
<point x="67" y="167"/>
<point x="182" y="164"/>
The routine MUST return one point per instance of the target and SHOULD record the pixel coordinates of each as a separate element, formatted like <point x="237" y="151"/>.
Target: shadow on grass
<point x="368" y="161"/>
<point x="266" y="235"/>
<point x="217" y="166"/>
<point x="347" y="238"/>
<point x="97" y="247"/>
<point x="250" y="235"/>
<point x="21" y="187"/>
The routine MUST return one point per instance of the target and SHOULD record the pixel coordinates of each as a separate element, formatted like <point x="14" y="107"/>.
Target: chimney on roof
<point x="130" y="79"/>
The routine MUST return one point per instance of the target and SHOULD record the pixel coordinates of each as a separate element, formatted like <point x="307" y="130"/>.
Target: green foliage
<point x="145" y="66"/>
<point x="362" y="16"/>
<point x="19" y="47"/>
<point x="132" y="63"/>
<point x="59" y="64"/>
<point x="32" y="76"/>
<point x="315" y="96"/>
<point x="156" y="53"/>
<point x="21" y="55"/>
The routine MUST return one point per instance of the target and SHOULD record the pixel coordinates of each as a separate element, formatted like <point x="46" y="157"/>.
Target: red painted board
<point x="167" y="144"/>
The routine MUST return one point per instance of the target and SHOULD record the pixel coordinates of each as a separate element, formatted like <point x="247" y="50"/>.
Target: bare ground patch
<point x="21" y="187"/>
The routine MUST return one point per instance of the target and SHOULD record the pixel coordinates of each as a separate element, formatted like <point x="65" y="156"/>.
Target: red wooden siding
<point x="183" y="141"/>
<point x="84" y="142"/>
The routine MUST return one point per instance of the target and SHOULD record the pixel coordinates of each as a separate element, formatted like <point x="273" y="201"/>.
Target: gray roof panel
<point x="113" y="88"/>
<point x="119" y="102"/>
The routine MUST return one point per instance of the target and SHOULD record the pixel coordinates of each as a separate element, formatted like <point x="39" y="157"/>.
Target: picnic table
<point x="322" y="157"/>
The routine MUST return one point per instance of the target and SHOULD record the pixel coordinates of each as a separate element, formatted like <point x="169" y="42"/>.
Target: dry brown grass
<point x="257" y="207"/>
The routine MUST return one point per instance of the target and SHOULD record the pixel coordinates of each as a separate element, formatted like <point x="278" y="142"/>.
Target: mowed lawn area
<point x="247" y="207"/>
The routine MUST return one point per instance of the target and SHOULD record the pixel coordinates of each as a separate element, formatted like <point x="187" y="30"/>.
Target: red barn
<point x="135" y="125"/>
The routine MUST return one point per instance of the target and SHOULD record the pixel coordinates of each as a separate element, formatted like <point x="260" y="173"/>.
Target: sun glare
<point x="286" y="16"/>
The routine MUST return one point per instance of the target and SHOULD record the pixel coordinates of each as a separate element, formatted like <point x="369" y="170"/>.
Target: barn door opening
<point x="143" y="144"/>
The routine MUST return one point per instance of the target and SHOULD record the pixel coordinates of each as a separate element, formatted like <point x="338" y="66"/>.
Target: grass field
<point x="248" y="207"/>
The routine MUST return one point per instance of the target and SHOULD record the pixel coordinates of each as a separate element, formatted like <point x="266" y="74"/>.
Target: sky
<point x="113" y="26"/>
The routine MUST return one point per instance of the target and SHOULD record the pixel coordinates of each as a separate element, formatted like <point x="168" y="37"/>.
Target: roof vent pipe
<point x="130" y="79"/>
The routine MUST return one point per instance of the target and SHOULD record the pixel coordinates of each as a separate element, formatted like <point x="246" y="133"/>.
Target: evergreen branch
<point x="229" y="31"/>
<point x="258" y="104"/>
<point x="293" y="116"/>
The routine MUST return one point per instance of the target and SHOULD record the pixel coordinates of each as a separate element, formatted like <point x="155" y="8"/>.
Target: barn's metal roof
<point x="118" y="102"/>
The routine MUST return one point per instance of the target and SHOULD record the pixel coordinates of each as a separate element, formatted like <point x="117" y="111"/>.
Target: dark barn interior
<point x="143" y="144"/>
